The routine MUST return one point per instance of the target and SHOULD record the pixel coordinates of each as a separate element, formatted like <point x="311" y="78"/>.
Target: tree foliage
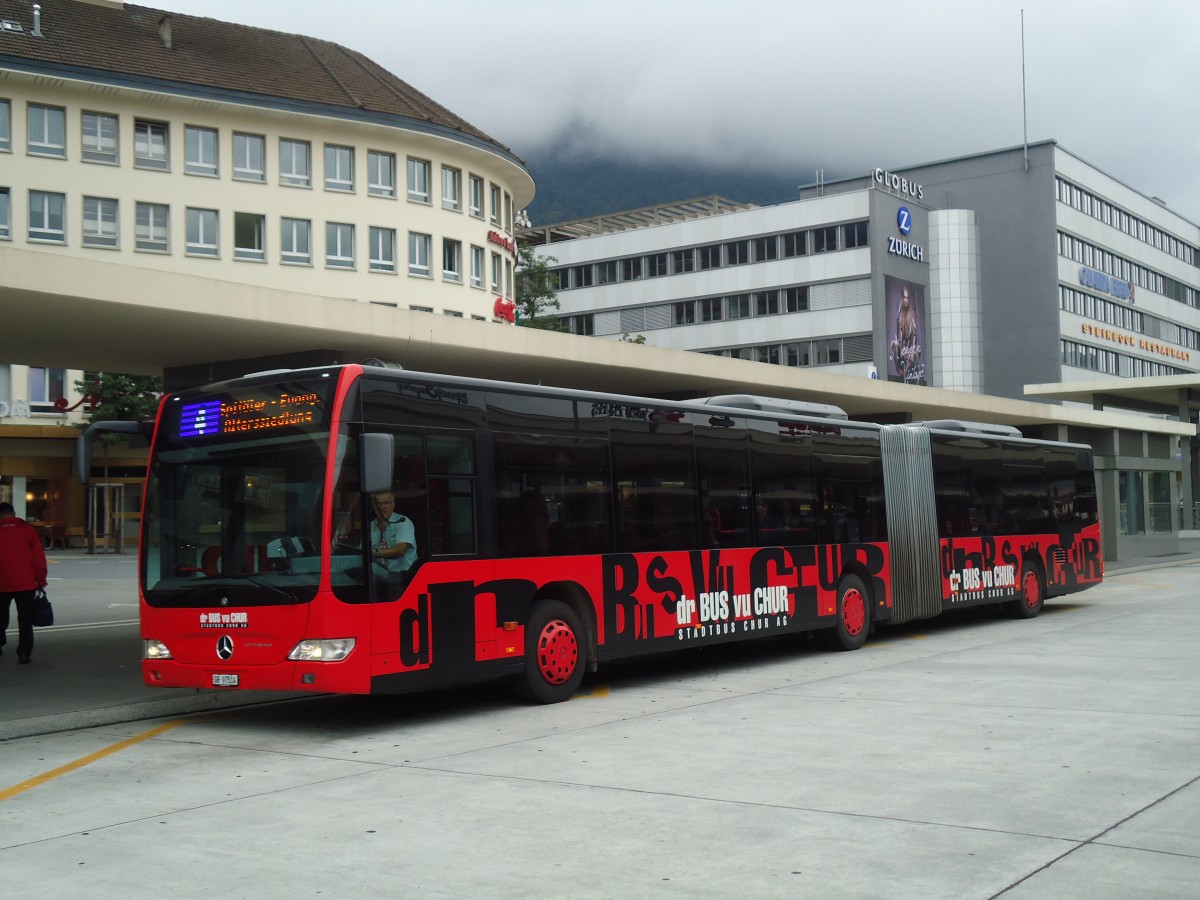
<point x="537" y="298"/>
<point x="113" y="396"/>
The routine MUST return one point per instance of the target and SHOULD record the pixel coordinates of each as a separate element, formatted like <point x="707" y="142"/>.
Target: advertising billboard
<point x="905" y="306"/>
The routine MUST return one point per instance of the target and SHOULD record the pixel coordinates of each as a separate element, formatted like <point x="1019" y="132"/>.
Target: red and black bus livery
<point x="556" y="530"/>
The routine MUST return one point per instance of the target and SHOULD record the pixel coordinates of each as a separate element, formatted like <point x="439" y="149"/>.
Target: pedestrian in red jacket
<point x="22" y="573"/>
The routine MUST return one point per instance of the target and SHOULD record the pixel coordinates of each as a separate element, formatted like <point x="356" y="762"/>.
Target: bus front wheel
<point x="1030" y="594"/>
<point x="853" y="616"/>
<point x="554" y="654"/>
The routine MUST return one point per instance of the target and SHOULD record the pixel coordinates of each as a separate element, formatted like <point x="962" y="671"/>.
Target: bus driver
<point x="393" y="541"/>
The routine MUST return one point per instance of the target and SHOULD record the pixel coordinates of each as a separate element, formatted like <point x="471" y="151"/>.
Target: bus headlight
<point x="155" y="650"/>
<point x="331" y="650"/>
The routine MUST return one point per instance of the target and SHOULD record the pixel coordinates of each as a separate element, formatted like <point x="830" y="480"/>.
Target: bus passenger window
<point x="451" y="486"/>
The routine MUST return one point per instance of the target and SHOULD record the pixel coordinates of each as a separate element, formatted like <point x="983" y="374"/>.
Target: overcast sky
<point x="843" y="86"/>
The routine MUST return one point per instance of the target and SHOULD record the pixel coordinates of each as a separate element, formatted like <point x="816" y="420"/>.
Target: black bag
<point x="43" y="612"/>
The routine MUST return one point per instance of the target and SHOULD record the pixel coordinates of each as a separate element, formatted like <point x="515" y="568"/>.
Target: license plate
<point x="225" y="681"/>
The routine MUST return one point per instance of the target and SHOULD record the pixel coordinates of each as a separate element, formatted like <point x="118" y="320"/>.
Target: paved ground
<point x="87" y="668"/>
<point x="971" y="756"/>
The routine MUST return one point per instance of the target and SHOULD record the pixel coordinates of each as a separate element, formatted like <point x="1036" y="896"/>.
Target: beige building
<point x="142" y="143"/>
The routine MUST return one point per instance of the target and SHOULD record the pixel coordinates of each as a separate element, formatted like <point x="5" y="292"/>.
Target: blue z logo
<point x="904" y="220"/>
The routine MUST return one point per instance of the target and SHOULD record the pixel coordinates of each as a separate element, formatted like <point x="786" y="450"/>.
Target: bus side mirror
<point x="83" y="443"/>
<point x="376" y="455"/>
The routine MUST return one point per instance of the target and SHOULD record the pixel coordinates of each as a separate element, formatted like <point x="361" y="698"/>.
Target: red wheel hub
<point x="854" y="611"/>
<point x="557" y="651"/>
<point x="1033" y="590"/>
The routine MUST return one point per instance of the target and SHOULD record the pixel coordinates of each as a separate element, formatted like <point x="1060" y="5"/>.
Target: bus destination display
<point x="207" y="418"/>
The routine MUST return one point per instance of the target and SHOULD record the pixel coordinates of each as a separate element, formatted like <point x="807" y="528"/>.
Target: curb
<point x="136" y="712"/>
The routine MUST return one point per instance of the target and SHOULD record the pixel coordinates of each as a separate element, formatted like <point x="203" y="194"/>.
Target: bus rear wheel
<point x="555" y="651"/>
<point x="853" y="616"/>
<point x="1030" y="594"/>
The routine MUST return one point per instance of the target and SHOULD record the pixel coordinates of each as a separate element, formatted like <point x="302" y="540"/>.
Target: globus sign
<point x="898" y="184"/>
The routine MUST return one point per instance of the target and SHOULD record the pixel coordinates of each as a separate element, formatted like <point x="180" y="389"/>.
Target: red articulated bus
<point x="539" y="532"/>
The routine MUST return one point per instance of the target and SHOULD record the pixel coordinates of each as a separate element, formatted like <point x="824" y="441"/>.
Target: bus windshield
<point x="233" y="514"/>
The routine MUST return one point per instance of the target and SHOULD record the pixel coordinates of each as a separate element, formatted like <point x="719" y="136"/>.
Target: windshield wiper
<point x="219" y="584"/>
<point x="256" y="580"/>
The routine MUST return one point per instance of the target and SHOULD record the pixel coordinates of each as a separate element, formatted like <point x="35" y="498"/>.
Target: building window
<point x="151" y="223"/>
<point x="795" y="299"/>
<point x="150" y="147"/>
<point x="766" y="248"/>
<point x="5" y="126"/>
<point x="606" y="272"/>
<point x="98" y="133"/>
<point x="45" y="386"/>
<point x="5" y="213"/>
<point x="737" y="253"/>
<point x="631" y="268"/>
<point x="295" y="163"/>
<point x="47" y="216"/>
<point x="476" y="200"/>
<point x="249" y="157"/>
<point x="828" y="352"/>
<point x="683" y="261"/>
<point x="584" y="324"/>
<point x="767" y="354"/>
<point x="710" y="309"/>
<point x="497" y="273"/>
<point x="339" y="168"/>
<point x="200" y="151"/>
<point x="248" y="236"/>
<point x="426" y="309"/>
<point x="452" y="313"/>
<point x="854" y="235"/>
<point x="381" y="174"/>
<point x="451" y="189"/>
<point x="47" y="134"/>
<point x="495" y="211"/>
<point x="737" y="306"/>
<point x="656" y="265"/>
<point x="508" y="212"/>
<point x="824" y="241"/>
<point x="799" y="354"/>
<point x="766" y="303"/>
<point x="99" y="222"/>
<point x="383" y="249"/>
<point x="685" y="312"/>
<point x="339" y="245"/>
<point x="419" y="246"/>
<point x="201" y="232"/>
<point x="477" y="263"/>
<point x="418" y="180"/>
<point x="451" y="260"/>
<point x="795" y="243"/>
<point x="710" y="257"/>
<point x="295" y="241"/>
<point x="508" y="278"/>
<point x="581" y="276"/>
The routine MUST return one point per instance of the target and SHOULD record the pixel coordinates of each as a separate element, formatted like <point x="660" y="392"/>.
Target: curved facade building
<point x="206" y="157"/>
<point x="241" y="154"/>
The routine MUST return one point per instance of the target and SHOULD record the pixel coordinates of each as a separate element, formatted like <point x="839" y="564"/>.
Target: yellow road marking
<point x="86" y="760"/>
<point x="600" y="690"/>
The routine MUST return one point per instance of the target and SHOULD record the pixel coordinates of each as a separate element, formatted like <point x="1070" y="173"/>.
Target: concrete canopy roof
<point x="98" y="315"/>
<point x="1161" y="395"/>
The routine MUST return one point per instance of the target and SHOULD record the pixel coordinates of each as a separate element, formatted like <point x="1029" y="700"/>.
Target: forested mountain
<point x="571" y="188"/>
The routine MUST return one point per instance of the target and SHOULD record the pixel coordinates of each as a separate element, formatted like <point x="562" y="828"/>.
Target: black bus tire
<point x="1031" y="593"/>
<point x="853" y="616"/>
<point x="555" y="654"/>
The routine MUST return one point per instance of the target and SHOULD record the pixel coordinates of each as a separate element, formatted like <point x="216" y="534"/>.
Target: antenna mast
<point x="1024" y="114"/>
